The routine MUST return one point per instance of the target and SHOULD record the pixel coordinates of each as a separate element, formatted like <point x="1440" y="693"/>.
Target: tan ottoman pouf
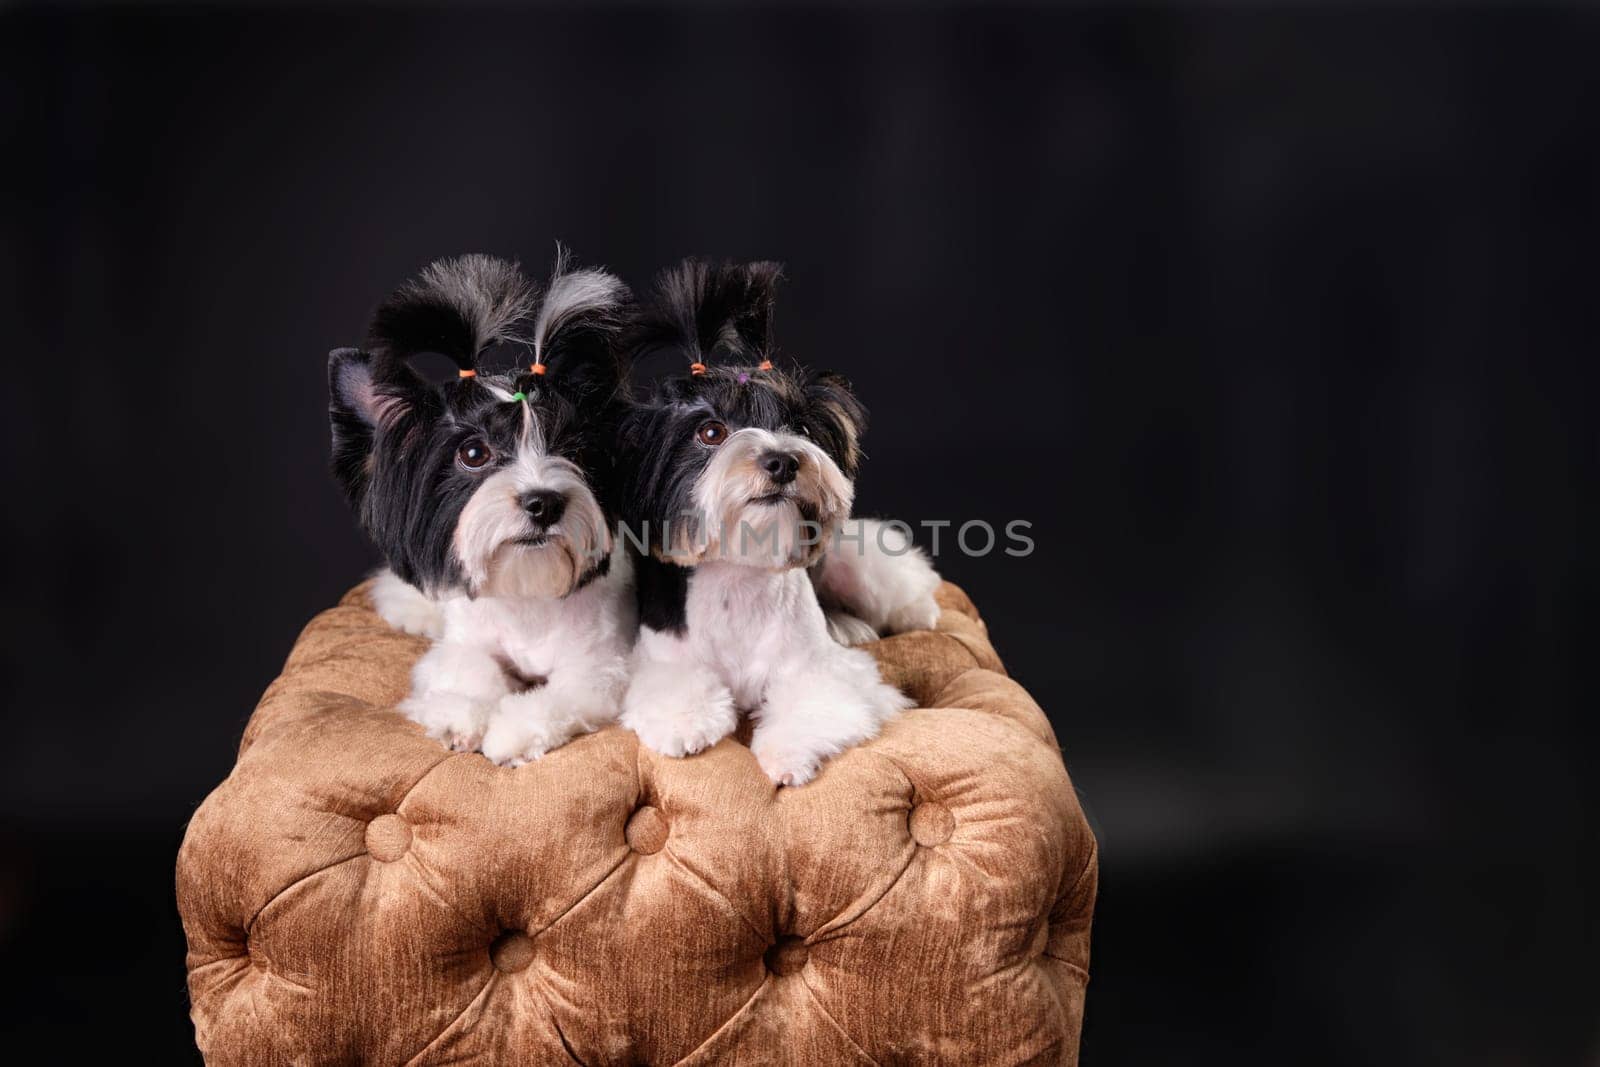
<point x="354" y="893"/>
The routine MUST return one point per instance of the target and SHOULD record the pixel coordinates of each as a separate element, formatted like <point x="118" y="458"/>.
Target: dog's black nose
<point x="544" y="506"/>
<point x="781" y="467"/>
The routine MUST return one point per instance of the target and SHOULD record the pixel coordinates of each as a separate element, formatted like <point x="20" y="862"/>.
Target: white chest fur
<point x="749" y="625"/>
<point x="535" y="635"/>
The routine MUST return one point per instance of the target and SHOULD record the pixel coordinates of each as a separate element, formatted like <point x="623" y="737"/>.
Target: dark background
<point x="1278" y="325"/>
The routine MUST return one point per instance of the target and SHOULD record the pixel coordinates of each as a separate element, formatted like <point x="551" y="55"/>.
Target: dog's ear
<point x="835" y="419"/>
<point x="365" y="395"/>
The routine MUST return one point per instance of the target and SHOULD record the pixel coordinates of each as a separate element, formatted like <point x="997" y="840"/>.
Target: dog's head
<point x="745" y="463"/>
<point x="492" y="484"/>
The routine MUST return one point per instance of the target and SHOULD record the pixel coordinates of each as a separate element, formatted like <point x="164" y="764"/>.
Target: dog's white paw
<point x="455" y="721"/>
<point x="886" y="702"/>
<point x="787" y="766"/>
<point x="810" y="716"/>
<point x="522" y="729"/>
<point x="678" y="712"/>
<point x="405" y="607"/>
<point x="919" y="614"/>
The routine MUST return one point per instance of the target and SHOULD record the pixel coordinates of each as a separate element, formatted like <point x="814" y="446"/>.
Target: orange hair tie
<point x="467" y="373"/>
<point x="697" y="368"/>
<point x="538" y="368"/>
<point x="766" y="364"/>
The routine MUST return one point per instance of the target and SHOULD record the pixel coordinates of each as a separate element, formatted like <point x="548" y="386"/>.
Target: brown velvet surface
<point x="353" y="893"/>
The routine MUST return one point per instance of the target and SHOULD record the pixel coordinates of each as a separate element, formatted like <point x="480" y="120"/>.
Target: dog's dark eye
<point x="712" y="433"/>
<point x="473" y="454"/>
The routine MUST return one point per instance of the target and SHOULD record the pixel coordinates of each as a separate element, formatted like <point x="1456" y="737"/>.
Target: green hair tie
<point x="519" y="396"/>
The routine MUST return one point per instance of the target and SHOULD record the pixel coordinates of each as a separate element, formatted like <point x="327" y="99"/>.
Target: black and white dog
<point x="490" y="494"/>
<point x="736" y="480"/>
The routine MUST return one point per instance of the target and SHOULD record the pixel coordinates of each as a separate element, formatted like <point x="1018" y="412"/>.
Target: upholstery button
<point x="931" y="824"/>
<point x="787" y="956"/>
<point x="388" y="837"/>
<point x="647" y="831"/>
<point x="1041" y="939"/>
<point x="512" y="951"/>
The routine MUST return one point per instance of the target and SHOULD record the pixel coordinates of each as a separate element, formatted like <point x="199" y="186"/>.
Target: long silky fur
<point x="698" y="309"/>
<point x="457" y="307"/>
<point x="754" y="333"/>
<point x="590" y="299"/>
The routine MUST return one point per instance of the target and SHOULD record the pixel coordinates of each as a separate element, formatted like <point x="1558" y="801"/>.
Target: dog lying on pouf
<point x="494" y="495"/>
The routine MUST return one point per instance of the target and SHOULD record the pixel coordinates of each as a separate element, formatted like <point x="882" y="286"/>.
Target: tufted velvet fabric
<point x="353" y="893"/>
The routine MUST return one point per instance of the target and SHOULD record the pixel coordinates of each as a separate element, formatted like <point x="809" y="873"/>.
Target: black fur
<point x="457" y="308"/>
<point x="396" y="435"/>
<point x="663" y="590"/>
<point x="755" y="323"/>
<point x="703" y="309"/>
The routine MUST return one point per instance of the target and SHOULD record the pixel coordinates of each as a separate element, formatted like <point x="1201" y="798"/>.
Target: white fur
<point x="676" y="706"/>
<point x="578" y="644"/>
<point x="874" y="581"/>
<point x="756" y="639"/>
<point x="591" y="293"/>
<point x="582" y="692"/>
<point x="492" y="560"/>
<point x="848" y="630"/>
<point x="405" y="607"/>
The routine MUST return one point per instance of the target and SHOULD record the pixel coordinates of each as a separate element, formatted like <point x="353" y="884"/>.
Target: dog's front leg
<point x="581" y="695"/>
<point x="817" y="708"/>
<point x="676" y="704"/>
<point x="454" y="687"/>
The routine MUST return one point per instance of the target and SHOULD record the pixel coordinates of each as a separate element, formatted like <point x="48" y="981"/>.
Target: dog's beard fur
<point x="745" y="518"/>
<point x="502" y="553"/>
